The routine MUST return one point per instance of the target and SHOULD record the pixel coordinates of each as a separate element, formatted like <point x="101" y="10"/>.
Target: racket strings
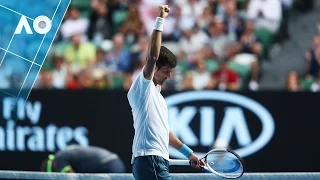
<point x="224" y="163"/>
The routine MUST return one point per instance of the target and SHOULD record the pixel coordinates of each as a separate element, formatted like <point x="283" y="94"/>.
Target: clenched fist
<point x="164" y="11"/>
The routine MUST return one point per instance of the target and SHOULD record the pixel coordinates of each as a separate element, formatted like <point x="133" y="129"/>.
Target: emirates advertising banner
<point x="268" y="129"/>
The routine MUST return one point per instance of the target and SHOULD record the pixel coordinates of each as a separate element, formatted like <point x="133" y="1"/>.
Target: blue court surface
<point x="27" y="30"/>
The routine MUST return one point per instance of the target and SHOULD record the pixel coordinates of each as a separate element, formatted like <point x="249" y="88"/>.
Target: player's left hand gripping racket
<point x="222" y="162"/>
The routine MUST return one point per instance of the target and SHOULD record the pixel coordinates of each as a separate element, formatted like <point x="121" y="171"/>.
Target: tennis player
<point x="150" y="114"/>
<point x="80" y="159"/>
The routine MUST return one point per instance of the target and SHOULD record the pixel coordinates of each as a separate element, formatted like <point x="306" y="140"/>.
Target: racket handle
<point x="205" y="168"/>
<point x="180" y="162"/>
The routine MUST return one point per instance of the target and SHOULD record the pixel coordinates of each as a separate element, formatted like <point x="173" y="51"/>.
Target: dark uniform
<point x="88" y="160"/>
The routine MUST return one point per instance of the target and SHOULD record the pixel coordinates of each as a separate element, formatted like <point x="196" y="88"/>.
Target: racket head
<point x="224" y="163"/>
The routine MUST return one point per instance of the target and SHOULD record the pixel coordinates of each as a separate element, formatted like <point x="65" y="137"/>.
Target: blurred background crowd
<point x="220" y="44"/>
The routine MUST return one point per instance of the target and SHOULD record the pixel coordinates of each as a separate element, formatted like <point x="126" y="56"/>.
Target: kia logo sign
<point x="233" y="123"/>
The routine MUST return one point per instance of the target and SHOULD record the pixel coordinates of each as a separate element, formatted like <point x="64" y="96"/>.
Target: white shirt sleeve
<point x="139" y="90"/>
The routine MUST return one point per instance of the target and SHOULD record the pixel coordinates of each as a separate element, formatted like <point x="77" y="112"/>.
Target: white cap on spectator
<point x="74" y="68"/>
<point x="106" y="45"/>
<point x="98" y="74"/>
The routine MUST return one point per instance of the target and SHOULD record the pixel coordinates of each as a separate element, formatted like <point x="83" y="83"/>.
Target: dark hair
<point x="166" y="57"/>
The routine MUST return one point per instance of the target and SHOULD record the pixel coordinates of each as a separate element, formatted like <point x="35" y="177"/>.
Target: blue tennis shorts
<point x="151" y="168"/>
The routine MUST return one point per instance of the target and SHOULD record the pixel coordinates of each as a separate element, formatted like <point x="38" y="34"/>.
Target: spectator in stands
<point x="194" y="8"/>
<point x="192" y="41"/>
<point x="100" y="71"/>
<point x="96" y="3"/>
<point x="45" y="80"/>
<point x="315" y="86"/>
<point x="73" y="82"/>
<point x="233" y="22"/>
<point x="246" y="53"/>
<point x="293" y="82"/>
<point x="79" y="53"/>
<point x="119" y="13"/>
<point x="132" y="27"/>
<point x="187" y="83"/>
<point x="204" y="19"/>
<point x="267" y="15"/>
<point x="85" y="78"/>
<point x="119" y="57"/>
<point x="220" y="8"/>
<point x="78" y="159"/>
<point x="59" y="72"/>
<point x="101" y="60"/>
<point x="148" y="12"/>
<point x="118" y="29"/>
<point x="208" y="55"/>
<point x="200" y="76"/>
<point x="312" y="58"/>
<point x="74" y="24"/>
<point x="224" y="78"/>
<point x="99" y="79"/>
<point x="219" y="41"/>
<point x="184" y="22"/>
<point x="80" y="78"/>
<point x="100" y="26"/>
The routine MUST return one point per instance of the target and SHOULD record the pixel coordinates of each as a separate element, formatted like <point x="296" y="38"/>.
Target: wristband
<point x="159" y="24"/>
<point x="185" y="150"/>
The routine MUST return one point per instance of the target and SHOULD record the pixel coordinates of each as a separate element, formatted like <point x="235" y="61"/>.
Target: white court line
<point x="15" y="11"/>
<point x="51" y="41"/>
<point x="54" y="14"/>
<point x="8" y="93"/>
<point x="6" y="50"/>
<point x="19" y="56"/>
<point x="36" y="57"/>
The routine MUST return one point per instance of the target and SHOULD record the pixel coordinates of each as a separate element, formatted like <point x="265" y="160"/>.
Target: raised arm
<point x="155" y="42"/>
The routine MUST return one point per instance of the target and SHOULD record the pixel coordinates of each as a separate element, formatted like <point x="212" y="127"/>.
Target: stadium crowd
<point x="310" y="79"/>
<point x="220" y="44"/>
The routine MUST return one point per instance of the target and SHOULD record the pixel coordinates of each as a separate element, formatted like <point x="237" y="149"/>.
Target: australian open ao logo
<point x="216" y="118"/>
<point x="44" y="29"/>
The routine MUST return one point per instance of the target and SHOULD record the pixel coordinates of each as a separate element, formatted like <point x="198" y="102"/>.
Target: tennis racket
<point x="221" y="161"/>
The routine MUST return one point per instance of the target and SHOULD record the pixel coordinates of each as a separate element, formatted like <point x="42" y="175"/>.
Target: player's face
<point x="162" y="74"/>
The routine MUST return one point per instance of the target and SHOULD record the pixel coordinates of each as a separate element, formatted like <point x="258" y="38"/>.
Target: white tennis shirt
<point x="150" y="119"/>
